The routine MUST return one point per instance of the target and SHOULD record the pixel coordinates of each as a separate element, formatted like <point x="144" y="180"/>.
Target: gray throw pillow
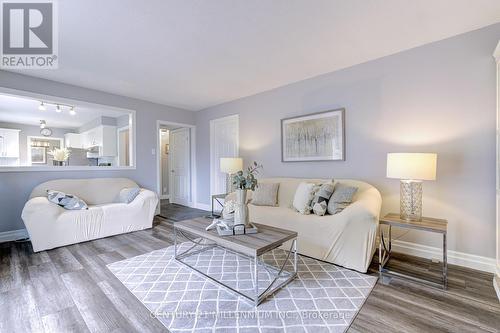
<point x="66" y="201"/>
<point x="341" y="198"/>
<point x="127" y="195"/>
<point x="323" y="194"/>
<point x="319" y="208"/>
<point x="266" y="194"/>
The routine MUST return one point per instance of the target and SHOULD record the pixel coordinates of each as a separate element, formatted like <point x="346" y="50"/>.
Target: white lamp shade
<point x="418" y="166"/>
<point x="231" y="164"/>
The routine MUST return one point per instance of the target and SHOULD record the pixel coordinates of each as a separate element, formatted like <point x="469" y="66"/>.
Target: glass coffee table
<point x="251" y="247"/>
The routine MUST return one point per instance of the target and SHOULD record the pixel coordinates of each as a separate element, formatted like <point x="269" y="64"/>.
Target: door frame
<point x="213" y="163"/>
<point x="192" y="131"/>
<point x="118" y="130"/>
<point x="170" y="182"/>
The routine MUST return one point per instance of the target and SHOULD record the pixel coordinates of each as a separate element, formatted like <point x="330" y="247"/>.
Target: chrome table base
<point x="257" y="297"/>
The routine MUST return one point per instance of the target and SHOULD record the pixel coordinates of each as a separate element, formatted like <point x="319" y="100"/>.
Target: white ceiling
<point x="197" y="53"/>
<point x="23" y="110"/>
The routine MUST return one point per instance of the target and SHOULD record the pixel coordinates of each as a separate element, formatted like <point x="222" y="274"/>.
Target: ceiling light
<point x="42" y="107"/>
<point x="42" y="124"/>
<point x="72" y="111"/>
<point x="58" y="108"/>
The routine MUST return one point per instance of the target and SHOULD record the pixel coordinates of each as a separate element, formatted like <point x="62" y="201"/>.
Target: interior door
<point x="224" y="142"/>
<point x="180" y="166"/>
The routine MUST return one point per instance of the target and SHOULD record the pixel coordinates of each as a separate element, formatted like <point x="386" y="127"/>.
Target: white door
<point x="180" y="166"/>
<point x="224" y="142"/>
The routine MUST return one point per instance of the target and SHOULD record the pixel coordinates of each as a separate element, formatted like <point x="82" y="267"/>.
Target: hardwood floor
<point x="176" y="212"/>
<point x="69" y="289"/>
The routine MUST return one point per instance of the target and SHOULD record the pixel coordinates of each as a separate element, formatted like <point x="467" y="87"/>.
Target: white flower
<point x="60" y="154"/>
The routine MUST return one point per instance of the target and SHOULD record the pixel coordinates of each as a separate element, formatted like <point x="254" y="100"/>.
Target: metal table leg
<point x="256" y="279"/>
<point x="445" y="263"/>
<point x="175" y="242"/>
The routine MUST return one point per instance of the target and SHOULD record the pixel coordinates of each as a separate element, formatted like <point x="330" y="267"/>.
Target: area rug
<point x="323" y="297"/>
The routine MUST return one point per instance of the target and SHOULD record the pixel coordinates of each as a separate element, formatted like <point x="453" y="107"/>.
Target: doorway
<point x="224" y="142"/>
<point x="175" y="165"/>
<point x="123" y="141"/>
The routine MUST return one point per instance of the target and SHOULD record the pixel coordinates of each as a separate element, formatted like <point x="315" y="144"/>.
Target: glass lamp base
<point x="411" y="200"/>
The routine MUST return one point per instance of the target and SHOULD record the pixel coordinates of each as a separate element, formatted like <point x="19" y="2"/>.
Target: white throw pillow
<point x="303" y="197"/>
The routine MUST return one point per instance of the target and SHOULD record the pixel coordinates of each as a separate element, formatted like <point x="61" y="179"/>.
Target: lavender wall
<point x="436" y="98"/>
<point x="15" y="187"/>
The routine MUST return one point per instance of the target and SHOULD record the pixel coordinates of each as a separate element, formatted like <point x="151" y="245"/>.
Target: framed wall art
<point x="314" y="137"/>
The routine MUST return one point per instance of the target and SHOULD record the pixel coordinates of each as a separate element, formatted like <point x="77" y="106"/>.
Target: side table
<point x="217" y="198"/>
<point x="427" y="224"/>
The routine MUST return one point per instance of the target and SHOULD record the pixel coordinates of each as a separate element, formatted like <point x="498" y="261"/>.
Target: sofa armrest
<point x="148" y="200"/>
<point x="40" y="209"/>
<point x="146" y="195"/>
<point x="358" y="237"/>
<point x="39" y="215"/>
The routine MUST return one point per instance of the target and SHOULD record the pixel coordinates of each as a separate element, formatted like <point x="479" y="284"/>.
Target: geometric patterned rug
<point x="322" y="298"/>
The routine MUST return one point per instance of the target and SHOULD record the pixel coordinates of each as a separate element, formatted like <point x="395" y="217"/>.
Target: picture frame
<point x="38" y="155"/>
<point x="314" y="137"/>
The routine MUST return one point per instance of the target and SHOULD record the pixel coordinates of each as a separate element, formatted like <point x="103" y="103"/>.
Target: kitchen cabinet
<point x="73" y="140"/>
<point x="9" y="143"/>
<point x="102" y="136"/>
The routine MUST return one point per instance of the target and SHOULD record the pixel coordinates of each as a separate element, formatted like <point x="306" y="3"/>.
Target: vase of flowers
<point x="244" y="181"/>
<point x="60" y="156"/>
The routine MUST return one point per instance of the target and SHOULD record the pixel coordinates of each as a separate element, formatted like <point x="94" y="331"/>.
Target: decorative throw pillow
<point x="323" y="194"/>
<point x="341" y="198"/>
<point x="128" y="194"/>
<point x="303" y="197"/>
<point x="266" y="194"/>
<point x="319" y="208"/>
<point x="66" y="201"/>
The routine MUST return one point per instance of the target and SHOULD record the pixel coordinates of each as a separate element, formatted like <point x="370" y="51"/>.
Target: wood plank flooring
<point x="69" y="289"/>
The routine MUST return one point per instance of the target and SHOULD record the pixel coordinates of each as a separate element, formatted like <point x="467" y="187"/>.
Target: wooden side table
<point x="427" y="224"/>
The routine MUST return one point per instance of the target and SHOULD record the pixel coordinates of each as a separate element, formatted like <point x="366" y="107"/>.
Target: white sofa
<point x="50" y="225"/>
<point x="346" y="239"/>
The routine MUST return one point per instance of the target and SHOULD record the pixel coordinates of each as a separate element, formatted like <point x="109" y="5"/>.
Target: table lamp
<point x="229" y="166"/>
<point x="411" y="169"/>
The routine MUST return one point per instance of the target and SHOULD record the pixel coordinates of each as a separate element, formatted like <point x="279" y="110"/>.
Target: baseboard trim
<point x="202" y="206"/>
<point x="454" y="257"/>
<point x="8" y="236"/>
<point x="496" y="285"/>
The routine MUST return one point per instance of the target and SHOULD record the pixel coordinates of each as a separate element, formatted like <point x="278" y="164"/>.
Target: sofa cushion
<point x="303" y="197"/>
<point x="128" y="194"/>
<point x="66" y="201"/>
<point x="266" y="194"/>
<point x="341" y="198"/>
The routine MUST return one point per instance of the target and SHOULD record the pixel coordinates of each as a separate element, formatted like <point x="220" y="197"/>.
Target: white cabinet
<point x="102" y="136"/>
<point x="93" y="137"/>
<point x="9" y="143"/>
<point x="73" y="140"/>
